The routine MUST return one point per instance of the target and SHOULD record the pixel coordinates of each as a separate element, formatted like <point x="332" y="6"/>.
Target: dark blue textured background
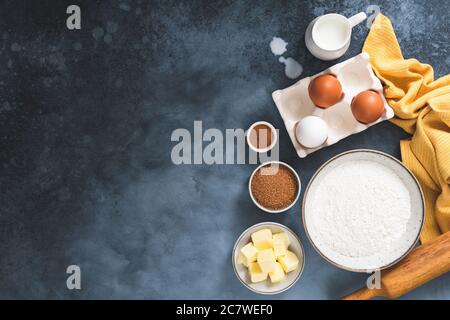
<point x="85" y="124"/>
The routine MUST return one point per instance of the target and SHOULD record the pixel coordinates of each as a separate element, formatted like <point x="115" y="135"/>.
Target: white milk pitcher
<point x="328" y="37"/>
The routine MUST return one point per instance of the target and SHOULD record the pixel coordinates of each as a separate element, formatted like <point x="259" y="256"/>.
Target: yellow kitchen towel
<point x="422" y="108"/>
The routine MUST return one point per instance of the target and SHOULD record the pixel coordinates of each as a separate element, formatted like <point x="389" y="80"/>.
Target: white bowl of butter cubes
<point x="268" y="258"/>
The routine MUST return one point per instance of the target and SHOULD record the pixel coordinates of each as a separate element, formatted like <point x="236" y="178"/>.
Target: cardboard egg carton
<point x="355" y="75"/>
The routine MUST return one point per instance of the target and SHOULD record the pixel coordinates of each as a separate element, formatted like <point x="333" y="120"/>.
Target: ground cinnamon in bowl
<point x="274" y="187"/>
<point x="261" y="136"/>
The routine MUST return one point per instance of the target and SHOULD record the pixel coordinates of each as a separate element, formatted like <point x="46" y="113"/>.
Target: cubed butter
<point x="280" y="244"/>
<point x="240" y="259"/>
<point x="256" y="274"/>
<point x="278" y="274"/>
<point x="266" y="260"/>
<point x="262" y="239"/>
<point x="279" y="249"/>
<point x="281" y="237"/>
<point x="247" y="254"/>
<point x="289" y="262"/>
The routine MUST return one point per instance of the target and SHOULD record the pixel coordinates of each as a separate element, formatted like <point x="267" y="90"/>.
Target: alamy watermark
<point x="374" y="280"/>
<point x="215" y="146"/>
<point x="73" y="21"/>
<point x="372" y="12"/>
<point x="74" y="280"/>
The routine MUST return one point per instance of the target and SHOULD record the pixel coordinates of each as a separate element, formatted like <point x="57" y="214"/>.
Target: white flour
<point x="361" y="208"/>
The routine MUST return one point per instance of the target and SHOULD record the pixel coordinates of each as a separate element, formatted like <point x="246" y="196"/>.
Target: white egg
<point x="311" y="132"/>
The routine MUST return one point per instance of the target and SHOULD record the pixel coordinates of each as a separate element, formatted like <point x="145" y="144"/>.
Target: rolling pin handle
<point x="364" y="294"/>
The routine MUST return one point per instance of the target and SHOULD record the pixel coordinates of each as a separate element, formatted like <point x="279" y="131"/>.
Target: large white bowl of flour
<point x="363" y="210"/>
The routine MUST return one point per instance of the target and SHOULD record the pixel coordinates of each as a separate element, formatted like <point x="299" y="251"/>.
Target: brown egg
<point x="367" y="106"/>
<point x="325" y="91"/>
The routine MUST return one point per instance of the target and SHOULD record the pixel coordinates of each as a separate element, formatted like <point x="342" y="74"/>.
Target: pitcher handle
<point x="357" y="19"/>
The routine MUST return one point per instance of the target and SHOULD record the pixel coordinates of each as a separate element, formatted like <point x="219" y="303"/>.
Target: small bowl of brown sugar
<point x="274" y="186"/>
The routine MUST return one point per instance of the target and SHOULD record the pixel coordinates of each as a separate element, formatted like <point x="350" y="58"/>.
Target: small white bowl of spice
<point x="268" y="258"/>
<point x="274" y="186"/>
<point x="262" y="136"/>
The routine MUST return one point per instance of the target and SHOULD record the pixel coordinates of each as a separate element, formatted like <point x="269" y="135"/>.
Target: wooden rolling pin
<point x="420" y="266"/>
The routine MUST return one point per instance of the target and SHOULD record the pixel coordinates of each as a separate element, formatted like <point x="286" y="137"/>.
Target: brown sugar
<point x="261" y="136"/>
<point x="274" y="187"/>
